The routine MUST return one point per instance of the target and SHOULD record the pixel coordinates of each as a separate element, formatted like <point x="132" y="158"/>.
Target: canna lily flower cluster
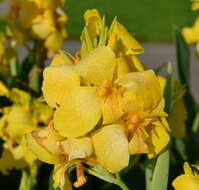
<point x="44" y="18"/>
<point x="107" y="107"/>
<point x="188" y="180"/>
<point x="21" y="116"/>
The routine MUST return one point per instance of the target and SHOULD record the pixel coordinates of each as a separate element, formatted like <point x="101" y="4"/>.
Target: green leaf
<point x="35" y="82"/>
<point x="149" y="168"/>
<point x="183" y="58"/>
<point x="180" y="145"/>
<point x="168" y="89"/>
<point x="183" y="63"/>
<point x="161" y="171"/>
<point x="132" y="161"/>
<point x="25" y="67"/>
<point x="101" y="173"/>
<point x="196" y="123"/>
<point x="3" y="25"/>
<point x="50" y="184"/>
<point x="27" y="181"/>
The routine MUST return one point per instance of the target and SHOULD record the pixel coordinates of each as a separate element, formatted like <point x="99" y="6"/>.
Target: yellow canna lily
<point x="188" y="180"/>
<point x="123" y="44"/>
<point x="195" y="5"/>
<point x="103" y="99"/>
<point x="24" y="116"/>
<point x="44" y="19"/>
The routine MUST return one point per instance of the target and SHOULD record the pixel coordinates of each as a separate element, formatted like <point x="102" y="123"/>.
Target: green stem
<point x="120" y="183"/>
<point x="27" y="182"/>
<point x="13" y="68"/>
<point x="36" y="75"/>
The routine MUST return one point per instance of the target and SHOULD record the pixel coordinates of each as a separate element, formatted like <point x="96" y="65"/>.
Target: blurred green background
<point x="149" y="20"/>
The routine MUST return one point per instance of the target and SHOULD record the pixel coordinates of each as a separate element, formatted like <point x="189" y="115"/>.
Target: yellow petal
<point x="43" y="25"/>
<point x="187" y="169"/>
<point x="111" y="108"/>
<point x="162" y="82"/>
<point x="20" y="97"/>
<point x="79" y="113"/>
<point x="122" y="66"/>
<point x="186" y="182"/>
<point x="35" y="145"/>
<point x="191" y="34"/>
<point x="111" y="148"/>
<point x="177" y="119"/>
<point x="3" y="89"/>
<point x="54" y="41"/>
<point x="137" y="144"/>
<point x="158" y="139"/>
<point x="29" y="157"/>
<point x="97" y="66"/>
<point x="77" y="148"/>
<point x="136" y="63"/>
<point x="195" y="5"/>
<point x="41" y="111"/>
<point x="7" y="162"/>
<point x="61" y="177"/>
<point x="141" y="92"/>
<point x="129" y="42"/>
<point x="127" y="64"/>
<point x="58" y="80"/>
<point x="61" y="59"/>
<point x="19" y="122"/>
<point x="93" y="20"/>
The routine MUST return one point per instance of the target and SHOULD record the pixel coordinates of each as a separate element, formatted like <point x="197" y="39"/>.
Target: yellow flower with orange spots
<point x="19" y="118"/>
<point x="102" y="113"/>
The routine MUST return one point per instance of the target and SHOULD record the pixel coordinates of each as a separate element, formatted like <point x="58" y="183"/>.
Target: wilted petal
<point x="97" y="66"/>
<point x="111" y="148"/>
<point x="58" y="80"/>
<point x="79" y="113"/>
<point x="77" y="148"/>
<point x="43" y="144"/>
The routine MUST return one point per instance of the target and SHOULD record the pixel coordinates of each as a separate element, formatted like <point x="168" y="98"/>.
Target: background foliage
<point x="149" y="20"/>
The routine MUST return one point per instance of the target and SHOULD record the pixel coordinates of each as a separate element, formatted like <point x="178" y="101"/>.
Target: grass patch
<point x="149" y="20"/>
